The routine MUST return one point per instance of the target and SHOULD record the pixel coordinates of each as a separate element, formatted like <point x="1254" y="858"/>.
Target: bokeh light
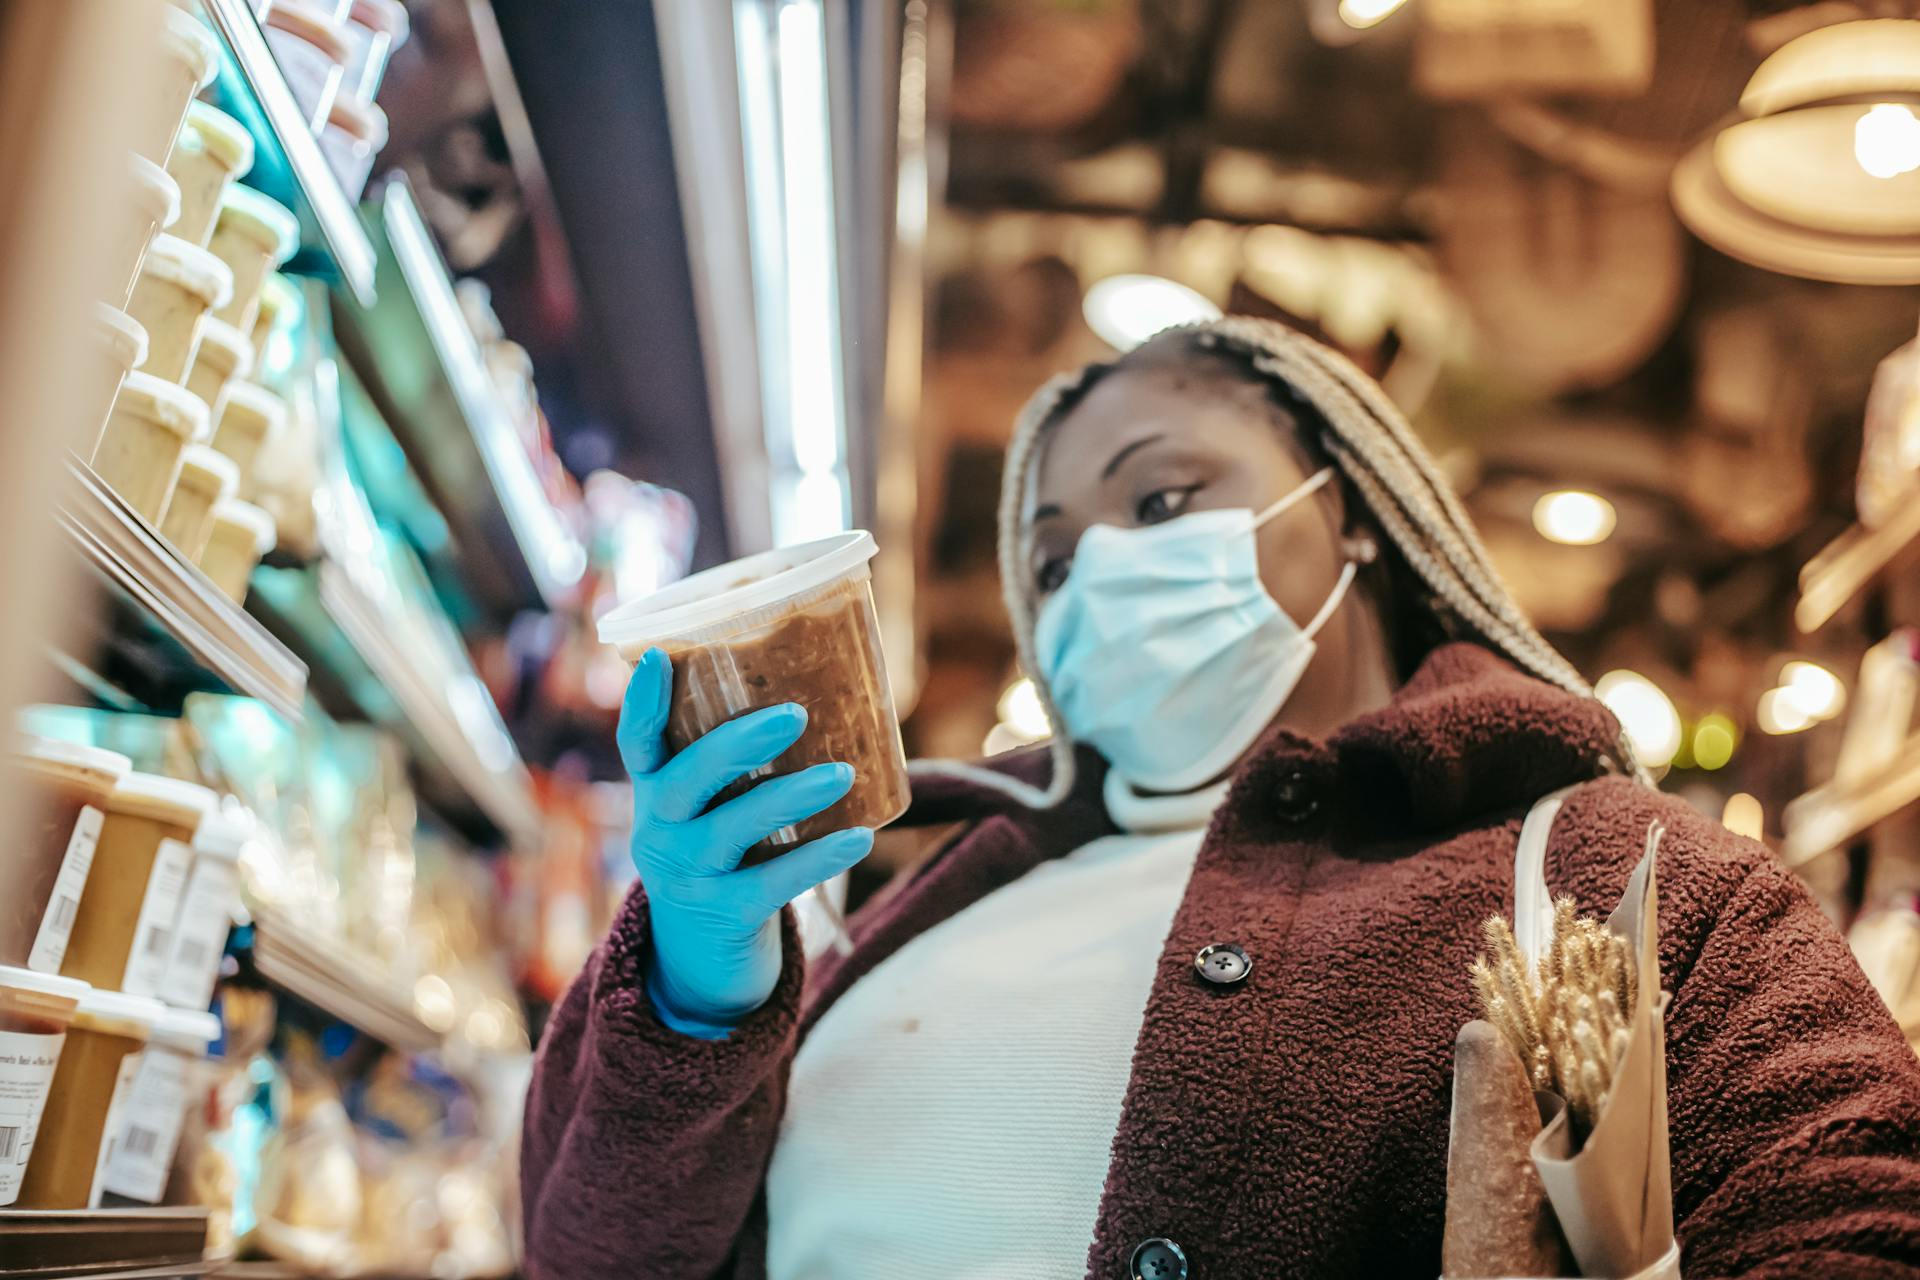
<point x="1647" y="715"/>
<point x="1574" y="517"/>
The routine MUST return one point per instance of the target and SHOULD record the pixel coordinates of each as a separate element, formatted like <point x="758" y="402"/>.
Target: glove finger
<point x="687" y="783"/>
<point x="643" y="714"/>
<point x="745" y="821"/>
<point x="772" y="885"/>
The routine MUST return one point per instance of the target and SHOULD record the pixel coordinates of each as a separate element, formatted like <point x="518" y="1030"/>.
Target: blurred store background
<point x="558" y="300"/>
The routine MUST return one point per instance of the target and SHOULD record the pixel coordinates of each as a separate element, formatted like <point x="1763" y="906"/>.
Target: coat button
<point x="1225" y="964"/>
<point x="1294" y="799"/>
<point x="1158" y="1259"/>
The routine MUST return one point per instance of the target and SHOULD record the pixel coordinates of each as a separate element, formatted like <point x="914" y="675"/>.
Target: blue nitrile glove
<point x="716" y="927"/>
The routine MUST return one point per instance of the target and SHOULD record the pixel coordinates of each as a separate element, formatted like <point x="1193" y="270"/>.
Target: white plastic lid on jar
<point x="189" y="39"/>
<point x="220" y="471"/>
<point x="222" y="135"/>
<point x="166" y="403"/>
<point x="42" y="984"/>
<point x="108" y="765"/>
<point x="115" y="1013"/>
<point x="155" y="193"/>
<point x="151" y="795"/>
<point x="187" y="1031"/>
<point x="234" y="347"/>
<point x="254" y="520"/>
<point x="224" y="834"/>
<point x="256" y="402"/>
<point x="192" y="268"/>
<point x="126" y="336"/>
<point x="263" y="220"/>
<point x="720" y="594"/>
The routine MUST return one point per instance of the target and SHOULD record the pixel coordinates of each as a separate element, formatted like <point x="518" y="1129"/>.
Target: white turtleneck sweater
<point x="952" y="1114"/>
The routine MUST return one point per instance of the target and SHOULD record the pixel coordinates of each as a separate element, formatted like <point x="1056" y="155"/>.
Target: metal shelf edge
<point x="325" y="973"/>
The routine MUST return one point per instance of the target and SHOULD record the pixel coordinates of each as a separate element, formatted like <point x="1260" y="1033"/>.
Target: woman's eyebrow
<point x="1046" y="511"/>
<point x="1113" y="463"/>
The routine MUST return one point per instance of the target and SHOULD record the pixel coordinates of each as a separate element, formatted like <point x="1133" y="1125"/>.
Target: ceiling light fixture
<point x="1127" y="310"/>
<point x="1645" y="713"/>
<point x="1574" y="517"/>
<point x="1361" y="14"/>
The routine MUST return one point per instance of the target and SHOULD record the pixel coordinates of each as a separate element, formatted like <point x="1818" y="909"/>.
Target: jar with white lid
<point x="242" y="535"/>
<point x="311" y="48"/>
<point x="207" y="478"/>
<point x="148" y="430"/>
<point x="153" y="206"/>
<point x="188" y="57"/>
<point x="225" y="354"/>
<point x="253" y="236"/>
<point x="155" y="1112"/>
<point x="119" y="345"/>
<point x="92" y="1088"/>
<point x="178" y="284"/>
<point x="65" y="789"/>
<point x="214" y="150"/>
<point x="35" y="1011"/>
<point x="207" y="908"/>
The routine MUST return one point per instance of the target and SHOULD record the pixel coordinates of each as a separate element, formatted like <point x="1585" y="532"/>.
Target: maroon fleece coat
<point x="1296" y="1125"/>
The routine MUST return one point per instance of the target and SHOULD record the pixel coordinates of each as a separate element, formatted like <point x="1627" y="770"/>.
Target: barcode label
<point x="147" y="964"/>
<point x="26" y="1075"/>
<point x="193" y="953"/>
<point x="154" y="1112"/>
<point x="200" y="937"/>
<point x="157" y="942"/>
<point x="140" y="1142"/>
<point x="69" y="884"/>
<point x="9" y="1142"/>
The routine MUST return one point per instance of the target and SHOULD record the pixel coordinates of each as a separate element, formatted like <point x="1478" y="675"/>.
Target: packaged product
<point x="242" y="533"/>
<point x="188" y="56"/>
<point x="207" y="477"/>
<point x="250" y="417"/>
<point x="253" y="236"/>
<point x="87" y="1104"/>
<point x="119" y="345"/>
<point x="308" y="43"/>
<point x="147" y="433"/>
<point x="179" y="283"/>
<point x="214" y="149"/>
<point x="153" y="206"/>
<point x="35" y="1010"/>
<point x="224" y="356"/>
<point x="66" y="792"/>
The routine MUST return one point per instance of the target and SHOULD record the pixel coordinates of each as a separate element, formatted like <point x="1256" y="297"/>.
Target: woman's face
<point x="1172" y="436"/>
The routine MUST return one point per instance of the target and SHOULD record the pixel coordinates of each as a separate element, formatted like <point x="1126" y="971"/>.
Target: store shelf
<point x="172" y="630"/>
<point x="424" y="370"/>
<point x="288" y="164"/>
<point x="467" y="767"/>
<point x="102" y="1244"/>
<point x="1849" y="562"/>
<point x="329" y="975"/>
<point x="1828" y="817"/>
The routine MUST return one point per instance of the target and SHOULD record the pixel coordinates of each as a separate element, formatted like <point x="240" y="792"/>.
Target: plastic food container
<point x="42" y="882"/>
<point x="250" y="417"/>
<point x="153" y="205"/>
<point x="35" y="1009"/>
<point x="88" y="1103"/>
<point x="124" y="932"/>
<point x="793" y="625"/>
<point x="189" y="56"/>
<point x="148" y="431"/>
<point x="178" y="284"/>
<point x="206" y="909"/>
<point x="307" y="42"/>
<point x="225" y="354"/>
<point x="253" y="236"/>
<point x="355" y="133"/>
<point x="156" y="1109"/>
<point x="207" y="477"/>
<point x="120" y="344"/>
<point x="280" y="308"/>
<point x="242" y="533"/>
<point x="375" y="28"/>
<point x="213" y="150"/>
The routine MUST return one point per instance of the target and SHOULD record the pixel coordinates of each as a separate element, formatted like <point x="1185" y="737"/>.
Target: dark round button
<point x="1224" y="964"/>
<point x="1158" y="1259"/>
<point x="1294" y="799"/>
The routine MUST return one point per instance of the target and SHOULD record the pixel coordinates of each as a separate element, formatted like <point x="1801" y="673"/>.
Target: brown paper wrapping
<point x="1498" y="1222"/>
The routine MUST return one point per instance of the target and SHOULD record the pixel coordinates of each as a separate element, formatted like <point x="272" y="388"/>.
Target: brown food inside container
<point x="53" y="806"/>
<point x="827" y="660"/>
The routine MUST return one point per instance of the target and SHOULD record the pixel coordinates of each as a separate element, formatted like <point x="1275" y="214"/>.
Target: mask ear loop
<point x="1313" y="484"/>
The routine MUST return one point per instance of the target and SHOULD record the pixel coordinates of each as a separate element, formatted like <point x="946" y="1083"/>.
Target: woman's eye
<point x="1052" y="575"/>
<point x="1163" y="504"/>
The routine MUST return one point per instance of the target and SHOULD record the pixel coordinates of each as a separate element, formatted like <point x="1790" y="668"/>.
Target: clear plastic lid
<point x="221" y="135"/>
<point x="211" y="470"/>
<point x="707" y="601"/>
<point x="256" y="521"/>
<point x="115" y="1013"/>
<point x="264" y="220"/>
<point x="149" y="795"/>
<point x="312" y="23"/>
<point x="157" y="400"/>
<point x="189" y="38"/>
<point x="191" y="267"/>
<point x="233" y="351"/>
<point x="187" y="1030"/>
<point x="125" y="335"/>
<point x="155" y="190"/>
<point x="255" y="407"/>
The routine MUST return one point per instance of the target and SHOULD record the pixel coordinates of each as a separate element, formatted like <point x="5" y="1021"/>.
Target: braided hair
<point x="1375" y="448"/>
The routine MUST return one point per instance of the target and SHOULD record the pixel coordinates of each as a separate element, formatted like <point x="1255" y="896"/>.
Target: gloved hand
<point x="716" y="931"/>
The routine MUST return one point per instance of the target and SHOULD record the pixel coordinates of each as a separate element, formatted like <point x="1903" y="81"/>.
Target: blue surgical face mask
<point x="1165" y="652"/>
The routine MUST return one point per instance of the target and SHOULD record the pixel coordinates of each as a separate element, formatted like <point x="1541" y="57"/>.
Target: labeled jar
<point x="280" y="310"/>
<point x="242" y="534"/>
<point x="250" y="417"/>
<point x="375" y="28"/>
<point x="119" y="345"/>
<point x="311" y="49"/>
<point x="147" y="433"/>
<point x="214" y="149"/>
<point x="253" y="236"/>
<point x="188" y="55"/>
<point x="355" y="133"/>
<point x="35" y="1010"/>
<point x="207" y="909"/>
<point x="153" y="205"/>
<point x="793" y="625"/>
<point x="66" y="788"/>
<point x="88" y="1102"/>
<point x="225" y="354"/>
<point x="207" y="477"/>
<point x="164" y="1086"/>
<point x="123" y="934"/>
<point x="179" y="283"/>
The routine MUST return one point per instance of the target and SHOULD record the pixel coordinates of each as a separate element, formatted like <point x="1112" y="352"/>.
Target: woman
<point x="1181" y="1002"/>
